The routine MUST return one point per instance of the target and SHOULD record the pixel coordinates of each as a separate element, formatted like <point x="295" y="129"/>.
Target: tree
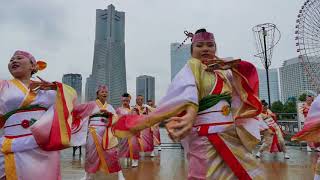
<point x="277" y="107"/>
<point x="290" y="106"/>
<point x="303" y="97"/>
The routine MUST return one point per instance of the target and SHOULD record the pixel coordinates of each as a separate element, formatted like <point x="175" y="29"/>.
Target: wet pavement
<point x="169" y="164"/>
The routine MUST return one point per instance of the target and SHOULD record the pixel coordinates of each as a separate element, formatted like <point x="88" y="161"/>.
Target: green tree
<point x="303" y="97"/>
<point x="290" y="106"/>
<point x="277" y="107"/>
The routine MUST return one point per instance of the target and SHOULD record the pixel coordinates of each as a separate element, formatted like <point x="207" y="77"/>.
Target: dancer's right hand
<point x="180" y="127"/>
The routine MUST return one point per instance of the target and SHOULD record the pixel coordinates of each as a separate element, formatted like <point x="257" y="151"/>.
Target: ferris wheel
<point x="308" y="39"/>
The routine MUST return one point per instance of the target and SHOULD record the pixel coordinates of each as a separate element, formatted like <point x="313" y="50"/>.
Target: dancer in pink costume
<point x="304" y="110"/>
<point x="97" y="117"/>
<point x="36" y="121"/>
<point x="311" y="130"/>
<point x="129" y="148"/>
<point x="146" y="136"/>
<point x="273" y="140"/>
<point x="155" y="129"/>
<point x="211" y="104"/>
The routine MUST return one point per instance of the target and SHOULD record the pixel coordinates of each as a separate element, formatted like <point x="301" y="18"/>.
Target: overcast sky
<point x="62" y="32"/>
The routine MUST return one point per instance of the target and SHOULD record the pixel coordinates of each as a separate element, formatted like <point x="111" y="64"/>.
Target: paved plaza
<point x="169" y="164"/>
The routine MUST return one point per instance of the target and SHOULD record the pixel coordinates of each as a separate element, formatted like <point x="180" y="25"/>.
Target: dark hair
<point x="264" y="103"/>
<point x="150" y="100"/>
<point x="200" y="31"/>
<point x="125" y="95"/>
<point x="34" y="71"/>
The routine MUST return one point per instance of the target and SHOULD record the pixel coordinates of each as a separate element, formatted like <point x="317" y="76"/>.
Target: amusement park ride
<point x="308" y="40"/>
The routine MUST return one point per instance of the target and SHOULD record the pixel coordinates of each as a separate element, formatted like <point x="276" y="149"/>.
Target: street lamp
<point x="266" y="35"/>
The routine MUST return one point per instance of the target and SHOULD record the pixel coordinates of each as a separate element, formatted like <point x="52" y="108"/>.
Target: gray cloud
<point x="62" y="32"/>
<point x="41" y="21"/>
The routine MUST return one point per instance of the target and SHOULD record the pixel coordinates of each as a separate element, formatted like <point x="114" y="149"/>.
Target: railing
<point x="289" y="124"/>
<point x="166" y="142"/>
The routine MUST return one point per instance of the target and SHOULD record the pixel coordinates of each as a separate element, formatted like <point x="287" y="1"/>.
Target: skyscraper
<point x="109" y="55"/>
<point x="179" y="57"/>
<point x="145" y="86"/>
<point x="273" y="82"/>
<point x="75" y="81"/>
<point x="90" y="88"/>
<point x="294" y="80"/>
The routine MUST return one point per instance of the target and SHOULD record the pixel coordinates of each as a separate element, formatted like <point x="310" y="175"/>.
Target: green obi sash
<point x="23" y="109"/>
<point x="99" y="115"/>
<point x="213" y="99"/>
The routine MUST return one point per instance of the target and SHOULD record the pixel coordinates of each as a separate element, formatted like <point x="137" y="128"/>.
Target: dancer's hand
<point x="219" y="64"/>
<point x="180" y="127"/>
<point x="106" y="112"/>
<point x="136" y="110"/>
<point x="42" y="85"/>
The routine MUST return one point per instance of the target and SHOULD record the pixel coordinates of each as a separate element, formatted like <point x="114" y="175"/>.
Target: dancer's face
<point x="150" y="103"/>
<point x="309" y="100"/>
<point x="21" y="67"/>
<point x="125" y="101"/>
<point x="103" y="94"/>
<point x="203" y="50"/>
<point x="139" y="100"/>
<point x="265" y="108"/>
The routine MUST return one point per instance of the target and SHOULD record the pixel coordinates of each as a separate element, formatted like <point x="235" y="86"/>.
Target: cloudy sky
<point x="62" y="32"/>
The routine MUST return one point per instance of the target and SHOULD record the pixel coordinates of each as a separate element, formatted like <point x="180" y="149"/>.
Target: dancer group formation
<point x="211" y="106"/>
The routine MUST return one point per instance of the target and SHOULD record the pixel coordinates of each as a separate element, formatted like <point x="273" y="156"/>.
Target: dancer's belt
<point x="99" y="120"/>
<point x="217" y="118"/>
<point x="18" y="122"/>
<point x="102" y="121"/>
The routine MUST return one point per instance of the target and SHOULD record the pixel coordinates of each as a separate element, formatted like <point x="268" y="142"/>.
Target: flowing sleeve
<point x="246" y="104"/>
<point x="246" y="87"/>
<point x="311" y="129"/>
<point x="115" y="117"/>
<point x="181" y="94"/>
<point x="80" y="122"/>
<point x="81" y="112"/>
<point x="53" y="130"/>
<point x="3" y="83"/>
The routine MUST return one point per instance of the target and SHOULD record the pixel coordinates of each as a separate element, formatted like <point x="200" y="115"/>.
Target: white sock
<point x="120" y="176"/>
<point x="152" y="154"/>
<point x="135" y="163"/>
<point x="258" y="154"/>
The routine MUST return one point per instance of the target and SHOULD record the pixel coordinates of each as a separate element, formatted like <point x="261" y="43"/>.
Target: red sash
<point x="225" y="153"/>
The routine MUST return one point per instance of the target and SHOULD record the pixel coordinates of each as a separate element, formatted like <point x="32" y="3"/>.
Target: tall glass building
<point x="179" y="57"/>
<point x="75" y="81"/>
<point x="273" y="82"/>
<point x="294" y="80"/>
<point x="145" y="86"/>
<point x="109" y="66"/>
